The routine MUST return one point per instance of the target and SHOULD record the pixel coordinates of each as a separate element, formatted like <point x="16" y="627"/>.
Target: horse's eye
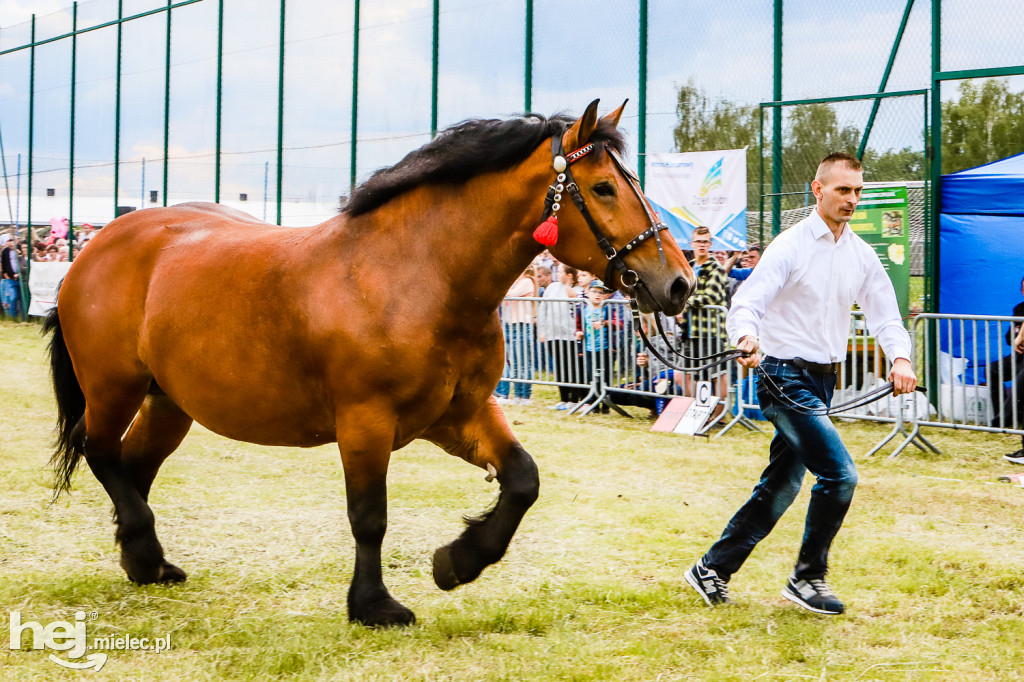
<point x="604" y="189"/>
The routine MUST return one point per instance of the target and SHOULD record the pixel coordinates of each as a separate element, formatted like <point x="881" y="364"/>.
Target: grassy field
<point x="929" y="562"/>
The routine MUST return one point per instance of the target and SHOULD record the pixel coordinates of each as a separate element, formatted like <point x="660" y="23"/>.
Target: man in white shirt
<point x="796" y="308"/>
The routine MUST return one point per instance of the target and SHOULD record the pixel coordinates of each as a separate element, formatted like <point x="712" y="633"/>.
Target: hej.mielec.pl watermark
<point x="61" y="635"/>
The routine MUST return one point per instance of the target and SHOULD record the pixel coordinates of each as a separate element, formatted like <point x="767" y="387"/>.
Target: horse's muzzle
<point x="668" y="297"/>
<point x="678" y="292"/>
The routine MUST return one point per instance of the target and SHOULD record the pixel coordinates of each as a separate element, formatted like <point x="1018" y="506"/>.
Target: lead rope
<point x="716" y="359"/>
<point x="564" y="181"/>
<point x="860" y="401"/>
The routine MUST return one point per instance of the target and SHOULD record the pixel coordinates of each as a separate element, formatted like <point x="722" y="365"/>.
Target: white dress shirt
<point x="798" y="300"/>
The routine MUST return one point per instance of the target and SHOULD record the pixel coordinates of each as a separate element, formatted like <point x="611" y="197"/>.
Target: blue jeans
<point x="802" y="443"/>
<point x="519" y="356"/>
<point x="10" y="297"/>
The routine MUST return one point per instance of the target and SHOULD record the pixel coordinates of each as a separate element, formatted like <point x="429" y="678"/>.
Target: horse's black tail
<point x="70" y="444"/>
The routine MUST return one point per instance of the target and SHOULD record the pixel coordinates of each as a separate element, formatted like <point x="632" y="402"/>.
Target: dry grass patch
<point x="591" y="588"/>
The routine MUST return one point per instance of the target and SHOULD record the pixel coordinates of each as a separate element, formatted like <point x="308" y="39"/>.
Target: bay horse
<point x="372" y="329"/>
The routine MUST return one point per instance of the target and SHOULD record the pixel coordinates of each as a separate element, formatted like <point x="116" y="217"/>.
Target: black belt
<point x="812" y="367"/>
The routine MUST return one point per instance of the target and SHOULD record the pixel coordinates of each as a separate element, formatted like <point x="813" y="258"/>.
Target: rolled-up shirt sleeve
<point x="877" y="299"/>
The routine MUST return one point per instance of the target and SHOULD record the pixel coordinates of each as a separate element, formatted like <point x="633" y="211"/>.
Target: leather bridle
<point x="564" y="181"/>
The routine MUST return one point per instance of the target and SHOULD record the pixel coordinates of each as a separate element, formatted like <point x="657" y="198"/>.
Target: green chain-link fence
<point x="278" y="106"/>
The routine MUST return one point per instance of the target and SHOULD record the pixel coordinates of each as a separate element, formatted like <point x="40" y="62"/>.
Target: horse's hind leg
<point x="107" y="416"/>
<point x="156" y="432"/>
<point x="487" y="442"/>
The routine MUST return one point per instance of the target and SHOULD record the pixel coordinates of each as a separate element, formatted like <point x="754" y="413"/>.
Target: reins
<point x="564" y="181"/>
<point x="632" y="281"/>
<point x="711" y="360"/>
<point x="777" y="393"/>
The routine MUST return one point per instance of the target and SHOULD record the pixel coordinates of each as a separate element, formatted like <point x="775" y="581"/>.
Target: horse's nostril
<point x="679" y="291"/>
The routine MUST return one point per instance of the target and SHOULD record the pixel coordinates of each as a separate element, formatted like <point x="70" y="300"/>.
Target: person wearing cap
<point x="84" y="234"/>
<point x="597" y="324"/>
<point x="796" y="306"/>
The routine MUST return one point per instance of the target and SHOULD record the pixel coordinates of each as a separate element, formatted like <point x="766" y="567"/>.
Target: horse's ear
<point x="580" y="131"/>
<point x="614" y="117"/>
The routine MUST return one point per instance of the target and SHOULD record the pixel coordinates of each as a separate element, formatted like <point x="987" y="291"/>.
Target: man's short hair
<point x="850" y="161"/>
<point x="543" y="269"/>
<point x="701" y="229"/>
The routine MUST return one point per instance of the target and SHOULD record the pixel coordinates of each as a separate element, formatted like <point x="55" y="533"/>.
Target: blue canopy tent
<point x="981" y="240"/>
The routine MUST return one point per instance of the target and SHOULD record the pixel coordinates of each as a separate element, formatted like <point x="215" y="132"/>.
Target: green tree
<point x="704" y="125"/>
<point x="893" y="165"/>
<point x="984" y="124"/>
<point x="812" y="133"/>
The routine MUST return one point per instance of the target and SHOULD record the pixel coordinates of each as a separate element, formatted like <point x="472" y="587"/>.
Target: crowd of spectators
<point x="56" y="243"/>
<point x="570" y="332"/>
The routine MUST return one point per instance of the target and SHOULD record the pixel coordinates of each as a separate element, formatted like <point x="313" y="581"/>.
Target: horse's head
<point x="605" y="224"/>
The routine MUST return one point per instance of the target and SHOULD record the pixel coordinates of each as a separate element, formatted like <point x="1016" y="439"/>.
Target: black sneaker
<point x="813" y="595"/>
<point x="1015" y="457"/>
<point x="708" y="584"/>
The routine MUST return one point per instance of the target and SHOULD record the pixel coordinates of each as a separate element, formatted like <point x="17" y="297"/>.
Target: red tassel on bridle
<point x="547" y="232"/>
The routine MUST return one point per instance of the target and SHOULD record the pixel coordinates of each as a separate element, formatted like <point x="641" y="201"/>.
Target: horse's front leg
<point x="365" y="442"/>
<point x="486" y="441"/>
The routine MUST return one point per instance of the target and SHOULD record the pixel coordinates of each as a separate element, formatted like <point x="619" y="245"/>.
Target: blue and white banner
<point x="701" y="188"/>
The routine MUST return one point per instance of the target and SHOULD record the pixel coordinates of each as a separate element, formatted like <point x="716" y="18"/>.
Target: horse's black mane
<point x="468" y="149"/>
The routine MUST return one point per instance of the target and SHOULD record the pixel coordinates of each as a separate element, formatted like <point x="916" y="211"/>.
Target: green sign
<point x="883" y="221"/>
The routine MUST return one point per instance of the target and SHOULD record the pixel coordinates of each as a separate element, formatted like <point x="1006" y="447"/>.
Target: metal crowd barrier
<point x="865" y="368"/>
<point x="964" y="362"/>
<point x="612" y="369"/>
<point x="954" y="357"/>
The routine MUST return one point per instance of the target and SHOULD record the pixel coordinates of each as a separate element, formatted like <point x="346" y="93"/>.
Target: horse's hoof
<point x="142" y="574"/>
<point x="381" y="614"/>
<point x="444" y="569"/>
<point x="169" y="573"/>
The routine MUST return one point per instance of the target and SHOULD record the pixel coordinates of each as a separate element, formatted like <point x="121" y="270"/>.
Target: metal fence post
<point x="117" y="106"/>
<point x="71" y="146"/>
<point x="31" y="139"/>
<point x="167" y="99"/>
<point x="641" y="162"/>
<point x="280" y="117"/>
<point x="528" y="59"/>
<point x="885" y="79"/>
<point x="220" y="101"/>
<point x="434" y="68"/>
<point x="355" y="99"/>
<point x="777" y="124"/>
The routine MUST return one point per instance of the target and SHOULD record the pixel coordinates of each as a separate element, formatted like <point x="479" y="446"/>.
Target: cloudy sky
<point x="584" y="49"/>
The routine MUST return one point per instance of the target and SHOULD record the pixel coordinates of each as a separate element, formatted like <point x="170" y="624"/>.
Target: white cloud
<point x="725" y="47"/>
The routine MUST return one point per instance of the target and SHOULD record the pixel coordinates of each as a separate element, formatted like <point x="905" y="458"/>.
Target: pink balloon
<point x="58" y="228"/>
